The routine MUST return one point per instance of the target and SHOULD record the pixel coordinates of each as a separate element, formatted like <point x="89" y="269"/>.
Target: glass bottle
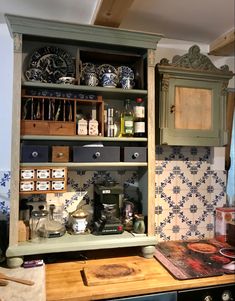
<point x="139" y="118"/>
<point x="127" y="120"/>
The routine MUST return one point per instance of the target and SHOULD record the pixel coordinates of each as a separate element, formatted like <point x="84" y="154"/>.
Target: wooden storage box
<point x="41" y="127"/>
<point x="134" y="154"/>
<point x="34" y="153"/>
<point x="60" y="153"/>
<point x="96" y="154"/>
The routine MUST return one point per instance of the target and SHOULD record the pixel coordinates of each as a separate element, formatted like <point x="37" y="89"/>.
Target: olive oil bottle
<point x="127" y="120"/>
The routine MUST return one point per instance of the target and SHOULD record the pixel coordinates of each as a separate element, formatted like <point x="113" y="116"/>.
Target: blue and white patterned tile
<point x="202" y="154"/>
<point x="161" y="236"/>
<point x="163" y="202"/>
<point x="167" y="180"/>
<point x="5" y="179"/>
<point x="217" y="198"/>
<point x="163" y="153"/>
<point x="4" y="205"/>
<point x="185" y="201"/>
<point x="218" y="179"/>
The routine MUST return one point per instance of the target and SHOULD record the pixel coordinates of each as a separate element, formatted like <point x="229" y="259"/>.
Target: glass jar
<point x="139" y="225"/>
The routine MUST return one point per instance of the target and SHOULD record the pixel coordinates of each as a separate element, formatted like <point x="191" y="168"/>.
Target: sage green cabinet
<point x="101" y="45"/>
<point x="191" y="98"/>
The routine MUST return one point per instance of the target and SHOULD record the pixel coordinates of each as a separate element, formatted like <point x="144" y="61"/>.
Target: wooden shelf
<point x="90" y="166"/>
<point x="102" y="91"/>
<point x="81" y="242"/>
<point x="83" y="138"/>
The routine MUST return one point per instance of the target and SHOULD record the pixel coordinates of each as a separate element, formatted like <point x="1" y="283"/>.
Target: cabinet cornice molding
<point x="81" y="32"/>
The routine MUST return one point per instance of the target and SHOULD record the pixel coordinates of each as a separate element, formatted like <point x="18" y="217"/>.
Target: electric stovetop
<point x="196" y="258"/>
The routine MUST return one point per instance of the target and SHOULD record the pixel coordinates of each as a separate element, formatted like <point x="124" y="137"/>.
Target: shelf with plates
<point x="119" y="93"/>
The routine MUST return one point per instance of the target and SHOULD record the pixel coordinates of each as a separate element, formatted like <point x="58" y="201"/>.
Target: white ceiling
<point x="189" y="20"/>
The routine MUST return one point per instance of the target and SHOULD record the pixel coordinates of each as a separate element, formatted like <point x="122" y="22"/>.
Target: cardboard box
<point x="224" y="215"/>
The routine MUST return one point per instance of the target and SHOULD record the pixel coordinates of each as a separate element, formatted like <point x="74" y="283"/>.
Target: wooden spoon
<point x="23" y="281"/>
<point x="3" y="282"/>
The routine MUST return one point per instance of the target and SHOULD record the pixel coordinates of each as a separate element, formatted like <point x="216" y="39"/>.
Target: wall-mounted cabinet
<point x="192" y="100"/>
<point x="46" y="111"/>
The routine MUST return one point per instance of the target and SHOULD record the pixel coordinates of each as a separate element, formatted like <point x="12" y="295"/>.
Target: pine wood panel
<point x="193" y="108"/>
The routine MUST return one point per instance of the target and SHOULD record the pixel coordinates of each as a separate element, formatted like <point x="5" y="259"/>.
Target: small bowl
<point x="68" y="80"/>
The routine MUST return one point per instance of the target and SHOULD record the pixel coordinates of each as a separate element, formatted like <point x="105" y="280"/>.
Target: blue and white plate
<point x="125" y="71"/>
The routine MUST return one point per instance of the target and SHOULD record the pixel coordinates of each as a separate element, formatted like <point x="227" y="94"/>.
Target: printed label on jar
<point x="43" y="173"/>
<point x="58" y="173"/>
<point x="27" y="174"/>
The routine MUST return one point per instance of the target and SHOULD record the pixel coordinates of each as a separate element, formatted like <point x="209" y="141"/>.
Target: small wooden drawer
<point x="43" y="173"/>
<point x="26" y="186"/>
<point x="96" y="154"/>
<point x="58" y="173"/>
<point x="62" y="128"/>
<point x="43" y="185"/>
<point x="60" y="153"/>
<point x="57" y="185"/>
<point x="134" y="154"/>
<point x="34" y="153"/>
<point x="27" y="174"/>
<point x="34" y="127"/>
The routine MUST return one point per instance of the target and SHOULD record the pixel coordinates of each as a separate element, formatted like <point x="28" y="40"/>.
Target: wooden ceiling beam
<point x="224" y="45"/>
<point x="111" y="12"/>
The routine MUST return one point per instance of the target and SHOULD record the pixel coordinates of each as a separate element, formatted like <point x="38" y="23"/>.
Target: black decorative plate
<point x="54" y="63"/>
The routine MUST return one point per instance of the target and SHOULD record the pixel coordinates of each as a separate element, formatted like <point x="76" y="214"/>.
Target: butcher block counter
<point x="69" y="281"/>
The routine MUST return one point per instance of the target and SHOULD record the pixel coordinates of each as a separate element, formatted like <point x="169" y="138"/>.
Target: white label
<point x="139" y="112"/>
<point x="45" y="185"/>
<point x="139" y="127"/>
<point x="58" y="173"/>
<point x="57" y="185"/>
<point x="27" y="174"/>
<point x="43" y="173"/>
<point x="26" y="186"/>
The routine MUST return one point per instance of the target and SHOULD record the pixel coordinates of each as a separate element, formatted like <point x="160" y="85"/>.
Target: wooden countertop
<point x="64" y="280"/>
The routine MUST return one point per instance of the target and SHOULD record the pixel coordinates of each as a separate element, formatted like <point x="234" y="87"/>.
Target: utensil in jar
<point x="19" y="280"/>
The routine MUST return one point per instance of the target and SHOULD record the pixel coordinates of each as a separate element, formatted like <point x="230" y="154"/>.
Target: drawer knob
<point x="208" y="298"/>
<point x="97" y="155"/>
<point x="34" y="154"/>
<point x="136" y="155"/>
<point x="60" y="155"/>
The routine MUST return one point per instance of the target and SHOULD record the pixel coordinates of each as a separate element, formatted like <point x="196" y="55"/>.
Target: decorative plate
<point x="88" y="68"/>
<point x="106" y="68"/>
<point x="124" y="71"/>
<point x="202" y="248"/>
<point x="228" y="252"/>
<point x="54" y="63"/>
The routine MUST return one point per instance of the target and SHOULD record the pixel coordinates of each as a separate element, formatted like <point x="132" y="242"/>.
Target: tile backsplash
<point x="187" y="191"/>
<point x="188" y="188"/>
<point x="5" y="177"/>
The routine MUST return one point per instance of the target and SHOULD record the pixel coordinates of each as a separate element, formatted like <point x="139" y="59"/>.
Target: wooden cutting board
<point x="112" y="273"/>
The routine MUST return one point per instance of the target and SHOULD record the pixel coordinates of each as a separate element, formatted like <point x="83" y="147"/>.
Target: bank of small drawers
<point x="43" y="180"/>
